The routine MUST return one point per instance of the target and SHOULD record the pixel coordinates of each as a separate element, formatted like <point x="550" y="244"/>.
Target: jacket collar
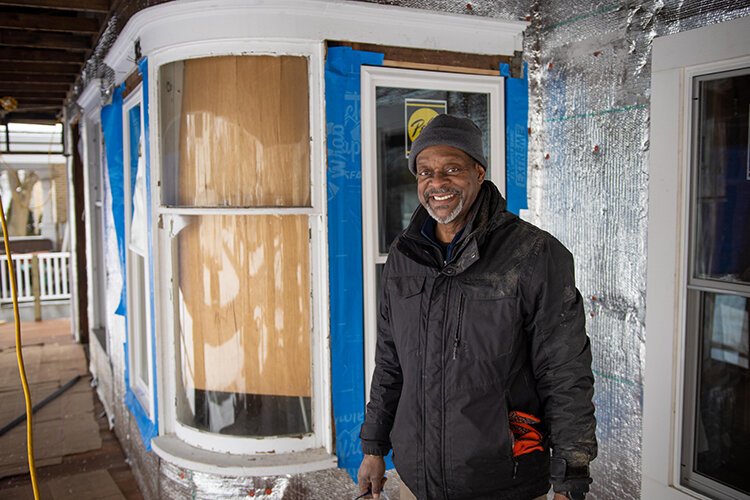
<point x="487" y="213"/>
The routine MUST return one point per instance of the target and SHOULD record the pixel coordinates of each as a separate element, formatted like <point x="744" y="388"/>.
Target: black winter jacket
<point x="460" y="344"/>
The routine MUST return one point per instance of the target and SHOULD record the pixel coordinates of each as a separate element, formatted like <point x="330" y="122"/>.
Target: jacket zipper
<point x="457" y="337"/>
<point x="442" y="437"/>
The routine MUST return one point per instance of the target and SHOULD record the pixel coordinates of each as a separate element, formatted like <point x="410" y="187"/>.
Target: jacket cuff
<point x="377" y="449"/>
<point x="375" y="440"/>
<point x="569" y="478"/>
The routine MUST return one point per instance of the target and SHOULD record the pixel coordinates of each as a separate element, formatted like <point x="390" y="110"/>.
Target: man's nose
<point x="439" y="179"/>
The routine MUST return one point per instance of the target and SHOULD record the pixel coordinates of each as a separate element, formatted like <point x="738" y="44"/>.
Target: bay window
<point x="238" y="203"/>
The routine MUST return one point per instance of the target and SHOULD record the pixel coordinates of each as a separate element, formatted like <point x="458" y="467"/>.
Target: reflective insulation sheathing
<point x="178" y="483"/>
<point x="590" y="78"/>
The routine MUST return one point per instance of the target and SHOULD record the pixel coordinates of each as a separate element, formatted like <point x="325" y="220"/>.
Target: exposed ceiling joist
<point x="12" y="87"/>
<point x="39" y="55"/>
<point x="101" y="6"/>
<point x="33" y="78"/>
<point x="44" y="40"/>
<point x="67" y="24"/>
<point x="44" y="45"/>
<point x="51" y="68"/>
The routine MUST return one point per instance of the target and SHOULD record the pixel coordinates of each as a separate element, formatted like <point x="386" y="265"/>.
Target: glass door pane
<point x="400" y="115"/>
<point x="722" y="239"/>
<point x="722" y="433"/>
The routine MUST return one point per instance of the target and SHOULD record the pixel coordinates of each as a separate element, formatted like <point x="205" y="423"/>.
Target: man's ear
<point x="480" y="171"/>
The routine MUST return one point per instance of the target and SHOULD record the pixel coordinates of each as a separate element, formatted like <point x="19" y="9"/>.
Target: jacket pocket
<point x="489" y="318"/>
<point x="405" y="303"/>
<point x="480" y="457"/>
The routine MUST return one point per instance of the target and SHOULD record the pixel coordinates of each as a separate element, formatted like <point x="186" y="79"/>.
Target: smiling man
<point x="483" y="383"/>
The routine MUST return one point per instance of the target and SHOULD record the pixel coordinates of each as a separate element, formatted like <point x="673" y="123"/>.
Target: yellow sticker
<point x="418" y="113"/>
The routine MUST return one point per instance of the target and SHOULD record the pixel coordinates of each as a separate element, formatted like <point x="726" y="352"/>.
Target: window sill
<point x="177" y="452"/>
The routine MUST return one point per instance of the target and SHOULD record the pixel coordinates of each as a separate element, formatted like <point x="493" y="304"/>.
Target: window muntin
<point x="237" y="179"/>
<point x="717" y="379"/>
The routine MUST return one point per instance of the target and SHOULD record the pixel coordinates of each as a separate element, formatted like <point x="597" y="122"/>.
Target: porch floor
<point x="77" y="456"/>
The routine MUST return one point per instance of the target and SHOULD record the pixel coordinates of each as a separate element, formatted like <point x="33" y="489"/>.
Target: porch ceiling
<point x="43" y="46"/>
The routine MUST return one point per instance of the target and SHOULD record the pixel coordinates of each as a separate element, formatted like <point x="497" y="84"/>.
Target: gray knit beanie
<point x="449" y="130"/>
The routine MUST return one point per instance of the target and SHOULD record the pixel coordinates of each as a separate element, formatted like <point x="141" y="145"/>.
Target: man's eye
<point x="423" y="173"/>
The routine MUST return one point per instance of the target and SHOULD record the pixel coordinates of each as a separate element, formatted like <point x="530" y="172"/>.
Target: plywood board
<point x="244" y="132"/>
<point x="245" y="304"/>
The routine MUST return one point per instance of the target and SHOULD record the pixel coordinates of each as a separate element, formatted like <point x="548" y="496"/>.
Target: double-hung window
<point x="138" y="280"/>
<point x="241" y="209"/>
<point x="716" y="432"/>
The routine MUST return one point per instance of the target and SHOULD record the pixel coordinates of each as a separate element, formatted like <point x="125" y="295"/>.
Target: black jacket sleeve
<point x="385" y="389"/>
<point x="561" y="359"/>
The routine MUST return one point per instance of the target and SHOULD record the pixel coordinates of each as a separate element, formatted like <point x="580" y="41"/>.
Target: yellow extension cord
<point x="19" y="355"/>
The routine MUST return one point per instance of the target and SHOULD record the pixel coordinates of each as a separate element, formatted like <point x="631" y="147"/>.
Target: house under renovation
<point x="244" y="173"/>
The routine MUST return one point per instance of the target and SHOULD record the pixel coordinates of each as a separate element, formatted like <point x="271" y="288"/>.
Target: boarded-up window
<point x="235" y="133"/>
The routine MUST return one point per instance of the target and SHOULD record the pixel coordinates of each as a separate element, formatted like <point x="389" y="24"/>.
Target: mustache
<point x="430" y="192"/>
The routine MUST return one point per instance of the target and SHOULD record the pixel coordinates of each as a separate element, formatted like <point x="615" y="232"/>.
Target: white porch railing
<point x="53" y="276"/>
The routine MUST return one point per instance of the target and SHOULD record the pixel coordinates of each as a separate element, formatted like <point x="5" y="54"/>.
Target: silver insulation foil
<point x="590" y="78"/>
<point x="178" y="483"/>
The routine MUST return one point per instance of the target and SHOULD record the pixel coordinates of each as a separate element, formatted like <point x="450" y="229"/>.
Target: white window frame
<point x="137" y="286"/>
<point x="373" y="77"/>
<point x="677" y="59"/>
<point x="168" y="217"/>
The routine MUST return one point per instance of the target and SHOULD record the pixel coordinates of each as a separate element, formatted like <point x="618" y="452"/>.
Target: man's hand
<point x="371" y="475"/>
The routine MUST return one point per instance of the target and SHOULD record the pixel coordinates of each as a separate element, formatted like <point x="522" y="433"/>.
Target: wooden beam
<point x="65" y="24"/>
<point x="101" y="6"/>
<point x="37" y="78"/>
<point x="42" y="67"/>
<point x="31" y="117"/>
<point x="9" y="88"/>
<point x="33" y="101"/>
<point x="441" y="67"/>
<point x="29" y="55"/>
<point x="39" y="107"/>
<point x="44" y="40"/>
<point x="428" y="59"/>
<point x="39" y="94"/>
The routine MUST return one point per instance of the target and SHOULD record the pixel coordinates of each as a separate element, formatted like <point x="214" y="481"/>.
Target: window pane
<point x="397" y="187"/>
<point x="244" y="325"/>
<point x="722" y="434"/>
<point x="139" y="315"/>
<point x="722" y="239"/>
<point x="236" y="132"/>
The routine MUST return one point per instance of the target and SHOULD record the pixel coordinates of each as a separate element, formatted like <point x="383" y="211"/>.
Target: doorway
<point x="396" y="105"/>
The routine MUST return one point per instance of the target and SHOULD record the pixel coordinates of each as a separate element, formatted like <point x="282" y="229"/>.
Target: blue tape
<point x="516" y="138"/>
<point x="344" y="177"/>
<point x="112" y="123"/>
<point x="112" y="131"/>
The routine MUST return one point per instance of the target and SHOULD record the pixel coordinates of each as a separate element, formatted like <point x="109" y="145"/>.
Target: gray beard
<point x="451" y="216"/>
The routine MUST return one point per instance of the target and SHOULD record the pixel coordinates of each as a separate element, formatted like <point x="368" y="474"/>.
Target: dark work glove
<point x="572" y="481"/>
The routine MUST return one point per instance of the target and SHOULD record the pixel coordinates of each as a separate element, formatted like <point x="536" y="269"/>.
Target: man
<point x="482" y="364"/>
